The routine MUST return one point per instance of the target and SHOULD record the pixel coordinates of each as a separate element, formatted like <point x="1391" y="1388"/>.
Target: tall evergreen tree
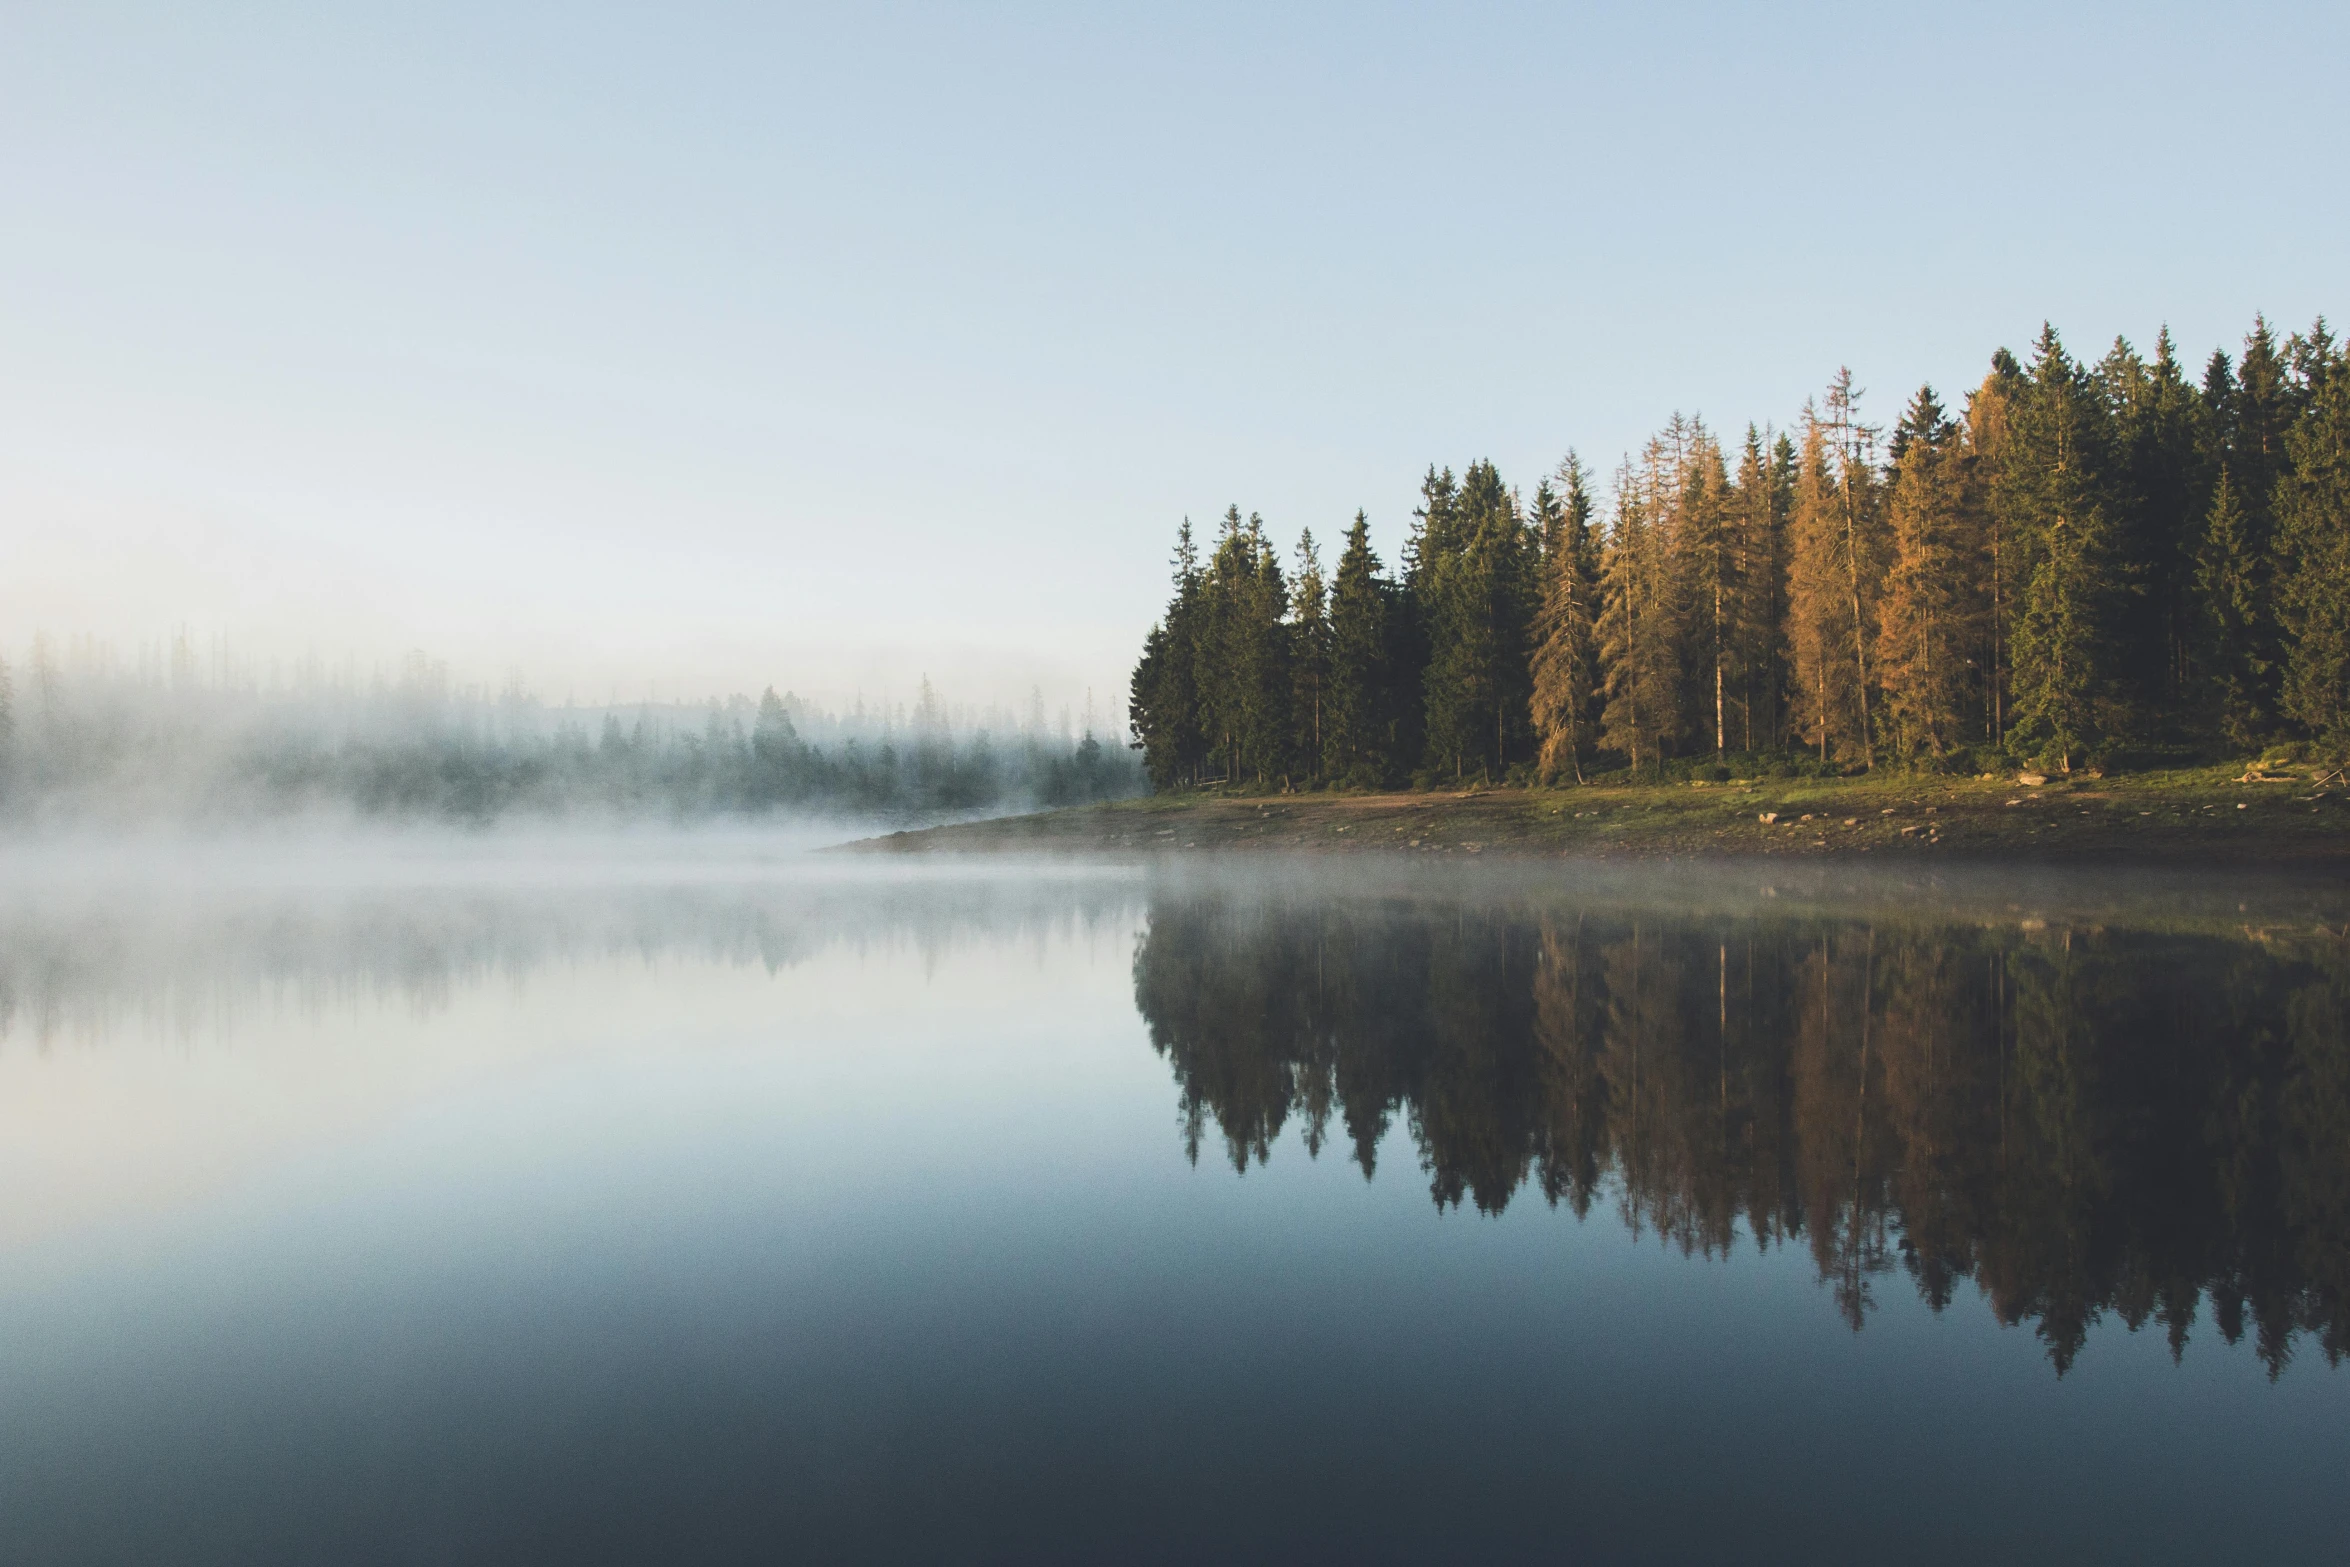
<point x="1925" y="623"/>
<point x="1758" y="504"/>
<point x="1706" y="544"/>
<point x="2251" y="411"/>
<point x="1163" y="711"/>
<point x="1309" y="657"/>
<point x="1244" y="676"/>
<point x="1638" y="645"/>
<point x="2313" y="527"/>
<point x="1357" y="734"/>
<point x="1860" y="543"/>
<point x="2161" y="452"/>
<point x="2229" y="580"/>
<point x="1477" y="590"/>
<point x="1987" y="418"/>
<point x="2054" y="489"/>
<point x="1820" y="629"/>
<point x="1566" y="652"/>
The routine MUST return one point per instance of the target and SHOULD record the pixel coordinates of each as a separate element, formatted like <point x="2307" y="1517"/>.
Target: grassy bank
<point x="2212" y="816"/>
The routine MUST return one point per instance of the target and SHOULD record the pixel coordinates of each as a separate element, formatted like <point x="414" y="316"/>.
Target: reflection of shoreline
<point x="2078" y="1120"/>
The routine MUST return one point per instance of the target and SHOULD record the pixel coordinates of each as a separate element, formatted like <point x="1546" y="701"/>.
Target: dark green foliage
<point x="1758" y="506"/>
<point x="2313" y="538"/>
<point x="1164" y="710"/>
<point x="1476" y="581"/>
<point x="2229" y="574"/>
<point x="1309" y="660"/>
<point x="2164" y="478"/>
<point x="2055" y="495"/>
<point x="1565" y="670"/>
<point x="1358" y="726"/>
<point x="1243" y="655"/>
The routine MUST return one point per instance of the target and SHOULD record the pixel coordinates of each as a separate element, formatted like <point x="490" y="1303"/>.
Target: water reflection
<point x="2080" y="1119"/>
<point x="195" y="963"/>
<point x="2123" y="1105"/>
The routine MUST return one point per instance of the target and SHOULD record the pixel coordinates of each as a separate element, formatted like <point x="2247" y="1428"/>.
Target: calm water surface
<point x="809" y="1212"/>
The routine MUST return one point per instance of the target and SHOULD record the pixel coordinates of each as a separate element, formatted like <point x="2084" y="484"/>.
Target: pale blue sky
<point x="709" y="346"/>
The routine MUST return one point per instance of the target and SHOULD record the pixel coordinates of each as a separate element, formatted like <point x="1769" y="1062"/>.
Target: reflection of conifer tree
<point x="1844" y="1160"/>
<point x="1573" y="1135"/>
<point x="2315" y="1177"/>
<point x="2057" y="1170"/>
<point x="1476" y="1103"/>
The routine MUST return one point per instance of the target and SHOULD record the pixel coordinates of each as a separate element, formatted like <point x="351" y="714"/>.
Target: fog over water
<point x="528" y="1196"/>
<point x="89" y="740"/>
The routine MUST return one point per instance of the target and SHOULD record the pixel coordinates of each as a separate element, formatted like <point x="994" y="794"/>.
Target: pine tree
<point x="2054" y="491"/>
<point x="778" y="757"/>
<point x="2250" y="413"/>
<point x="1987" y="418"/>
<point x="1309" y="657"/>
<point x="1758" y="505"/>
<point x="1164" y="710"/>
<point x="1356" y="736"/>
<point x="1638" y="647"/>
<point x="2228" y="577"/>
<point x="1860" y="544"/>
<point x="2313" y="527"/>
<point x="1243" y="675"/>
<point x="1712" y="584"/>
<point x="1476" y="589"/>
<point x="1565" y="662"/>
<point x="1819" y="629"/>
<point x="1925" y="621"/>
<point x="2161" y="445"/>
<point x="1412" y="627"/>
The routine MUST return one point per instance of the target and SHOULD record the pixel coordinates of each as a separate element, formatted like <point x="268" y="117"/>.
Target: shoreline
<point x="2206" y="818"/>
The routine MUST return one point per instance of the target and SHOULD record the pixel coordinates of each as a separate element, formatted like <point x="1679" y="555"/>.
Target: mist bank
<point x="83" y="742"/>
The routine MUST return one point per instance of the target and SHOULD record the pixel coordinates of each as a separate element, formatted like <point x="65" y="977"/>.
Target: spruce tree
<point x="1413" y="626"/>
<point x="1925" y="626"/>
<point x="1164" y="711"/>
<point x="2054" y="490"/>
<point x="2313" y="529"/>
<point x="1356" y="733"/>
<point x="1476" y="589"/>
<point x="2254" y="409"/>
<point x="1819" y="627"/>
<point x="2229" y="574"/>
<point x="1639" y="651"/>
<point x="1565" y="661"/>
<point x="1309" y="657"/>
<point x="1758" y="504"/>
<point x="1860" y="544"/>
<point x="1987" y="418"/>
<point x="1712" y="572"/>
<point x="1243" y="671"/>
<point x="2163" y="475"/>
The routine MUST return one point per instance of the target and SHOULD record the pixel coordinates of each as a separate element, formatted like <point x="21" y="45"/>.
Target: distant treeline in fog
<point x="82" y="735"/>
<point x="2087" y="562"/>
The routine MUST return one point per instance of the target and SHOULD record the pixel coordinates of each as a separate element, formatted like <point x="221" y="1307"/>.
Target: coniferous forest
<point x="2076" y="565"/>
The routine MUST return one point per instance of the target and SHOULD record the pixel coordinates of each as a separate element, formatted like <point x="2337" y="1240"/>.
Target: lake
<point x="709" y="1205"/>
